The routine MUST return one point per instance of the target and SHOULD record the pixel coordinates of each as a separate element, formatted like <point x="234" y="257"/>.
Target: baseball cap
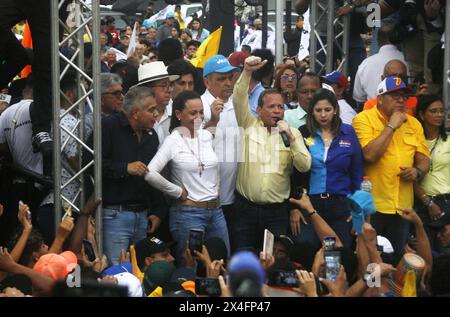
<point x="117" y="269"/>
<point x="157" y="274"/>
<point x="336" y="77"/>
<point x="285" y="240"/>
<point x="55" y="266"/>
<point x="390" y="84"/>
<point x="246" y="261"/>
<point x="441" y="222"/>
<point x="131" y="282"/>
<point x="183" y="274"/>
<point x="149" y="246"/>
<point x="218" y="64"/>
<point x="170" y="15"/>
<point x="237" y="59"/>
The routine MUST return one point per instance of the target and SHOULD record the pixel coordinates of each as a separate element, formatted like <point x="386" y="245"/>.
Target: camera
<point x="207" y="286"/>
<point x="284" y="278"/>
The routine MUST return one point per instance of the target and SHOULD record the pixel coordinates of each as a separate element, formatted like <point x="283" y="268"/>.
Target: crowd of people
<point x="202" y="166"/>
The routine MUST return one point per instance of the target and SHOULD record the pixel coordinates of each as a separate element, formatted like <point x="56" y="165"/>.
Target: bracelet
<point x="392" y="127"/>
<point x="312" y="213"/>
<point x="430" y="203"/>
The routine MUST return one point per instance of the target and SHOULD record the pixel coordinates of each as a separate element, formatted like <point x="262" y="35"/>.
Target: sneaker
<point x="42" y="142"/>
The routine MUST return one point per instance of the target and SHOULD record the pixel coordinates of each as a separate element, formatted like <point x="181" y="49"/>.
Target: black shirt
<point x="119" y="147"/>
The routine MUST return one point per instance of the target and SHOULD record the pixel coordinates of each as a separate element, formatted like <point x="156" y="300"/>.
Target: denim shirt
<point x="341" y="172"/>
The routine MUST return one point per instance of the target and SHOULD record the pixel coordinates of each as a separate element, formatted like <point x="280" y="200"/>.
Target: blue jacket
<point x="341" y="173"/>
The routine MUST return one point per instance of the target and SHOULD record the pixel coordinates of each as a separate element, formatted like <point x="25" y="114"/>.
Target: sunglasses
<point x="117" y="93"/>
<point x="287" y="77"/>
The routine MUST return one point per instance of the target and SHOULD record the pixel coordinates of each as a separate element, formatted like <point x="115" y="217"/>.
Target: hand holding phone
<point x="268" y="244"/>
<point x="208" y="286"/>
<point x="196" y="240"/>
<point x="89" y="250"/>
<point x="283" y="278"/>
<point x="332" y="264"/>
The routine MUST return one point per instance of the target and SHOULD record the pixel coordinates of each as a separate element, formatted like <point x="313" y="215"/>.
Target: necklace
<point x="432" y="151"/>
<point x="201" y="166"/>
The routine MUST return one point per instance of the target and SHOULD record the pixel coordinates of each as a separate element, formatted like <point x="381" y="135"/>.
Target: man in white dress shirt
<point x="369" y="72"/>
<point x="218" y="108"/>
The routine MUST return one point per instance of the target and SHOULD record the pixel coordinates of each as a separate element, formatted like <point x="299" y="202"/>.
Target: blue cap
<point x="218" y="64"/>
<point x="246" y="261"/>
<point x="390" y="84"/>
<point x="336" y="77"/>
<point x="361" y="204"/>
<point x="170" y="15"/>
<point x="117" y="269"/>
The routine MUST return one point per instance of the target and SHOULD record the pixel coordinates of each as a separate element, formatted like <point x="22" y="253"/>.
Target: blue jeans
<point x="394" y="228"/>
<point x="122" y="229"/>
<point x="335" y="212"/>
<point x="184" y="218"/>
<point x="249" y="221"/>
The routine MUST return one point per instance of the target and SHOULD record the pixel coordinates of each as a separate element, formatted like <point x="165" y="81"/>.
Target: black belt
<point x="327" y="196"/>
<point x="131" y="207"/>
<point x="267" y="205"/>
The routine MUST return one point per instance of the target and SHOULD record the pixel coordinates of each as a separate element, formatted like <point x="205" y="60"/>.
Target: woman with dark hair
<point x="336" y="169"/>
<point x="286" y="83"/>
<point x="194" y="174"/>
<point x="433" y="191"/>
<point x="198" y="32"/>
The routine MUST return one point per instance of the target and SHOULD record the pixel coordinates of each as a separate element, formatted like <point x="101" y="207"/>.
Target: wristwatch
<point x="312" y="213"/>
<point x="392" y="127"/>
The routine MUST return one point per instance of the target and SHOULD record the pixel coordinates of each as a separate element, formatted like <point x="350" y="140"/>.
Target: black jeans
<point x="249" y="220"/>
<point x="14" y="54"/>
<point x="394" y="228"/>
<point x="335" y="211"/>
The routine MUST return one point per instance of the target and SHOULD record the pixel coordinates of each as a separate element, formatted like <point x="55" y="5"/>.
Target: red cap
<point x="237" y="59"/>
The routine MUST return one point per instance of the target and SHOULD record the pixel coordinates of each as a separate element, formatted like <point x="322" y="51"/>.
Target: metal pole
<point x="279" y="32"/>
<point x="330" y="36"/>
<point x="446" y="88"/>
<point x="264" y="24"/>
<point x="97" y="120"/>
<point x="313" y="39"/>
<point x="346" y="43"/>
<point x="56" y="105"/>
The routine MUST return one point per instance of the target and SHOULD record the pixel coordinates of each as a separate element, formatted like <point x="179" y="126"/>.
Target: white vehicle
<point x="187" y="10"/>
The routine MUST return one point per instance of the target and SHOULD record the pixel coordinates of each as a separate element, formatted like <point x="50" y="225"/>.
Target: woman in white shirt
<point x="194" y="174"/>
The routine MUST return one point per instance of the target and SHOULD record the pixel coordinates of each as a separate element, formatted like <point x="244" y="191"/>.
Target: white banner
<point x="161" y="15"/>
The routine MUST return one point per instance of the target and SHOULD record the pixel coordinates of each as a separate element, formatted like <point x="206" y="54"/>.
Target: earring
<point x="179" y="119"/>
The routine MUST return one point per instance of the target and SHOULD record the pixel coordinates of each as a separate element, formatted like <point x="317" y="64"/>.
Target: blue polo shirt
<point x="341" y="171"/>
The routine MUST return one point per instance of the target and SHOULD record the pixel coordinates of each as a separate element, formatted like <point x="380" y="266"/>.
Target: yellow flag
<point x="208" y="49"/>
<point x="409" y="288"/>
<point x="136" y="271"/>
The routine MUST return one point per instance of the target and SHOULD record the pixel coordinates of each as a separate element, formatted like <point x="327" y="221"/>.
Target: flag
<point x="208" y="49"/>
<point x="27" y="42"/>
<point x="161" y="15"/>
<point x="133" y="41"/>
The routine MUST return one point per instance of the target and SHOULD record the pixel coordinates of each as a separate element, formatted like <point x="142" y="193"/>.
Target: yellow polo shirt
<point x="266" y="164"/>
<point x="388" y="190"/>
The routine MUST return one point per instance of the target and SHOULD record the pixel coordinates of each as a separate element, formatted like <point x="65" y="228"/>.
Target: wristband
<point x="391" y="127"/>
<point x="312" y="213"/>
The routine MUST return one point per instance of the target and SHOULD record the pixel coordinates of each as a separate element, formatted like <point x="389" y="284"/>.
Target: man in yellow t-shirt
<point x="396" y="154"/>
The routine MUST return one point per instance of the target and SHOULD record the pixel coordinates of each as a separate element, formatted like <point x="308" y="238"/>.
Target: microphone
<point x="285" y="137"/>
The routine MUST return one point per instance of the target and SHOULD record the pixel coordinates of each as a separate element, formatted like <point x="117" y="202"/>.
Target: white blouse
<point x="193" y="165"/>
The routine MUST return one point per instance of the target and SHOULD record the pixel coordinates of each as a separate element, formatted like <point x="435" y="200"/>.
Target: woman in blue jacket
<point x="337" y="166"/>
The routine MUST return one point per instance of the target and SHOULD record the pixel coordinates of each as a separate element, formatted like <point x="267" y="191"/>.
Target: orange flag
<point x="27" y="42"/>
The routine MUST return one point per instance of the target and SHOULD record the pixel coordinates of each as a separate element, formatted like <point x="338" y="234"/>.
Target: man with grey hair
<point x="131" y="207"/>
<point x="111" y="100"/>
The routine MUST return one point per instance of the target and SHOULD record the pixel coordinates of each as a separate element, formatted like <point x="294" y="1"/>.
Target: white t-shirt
<point x="162" y="127"/>
<point x="227" y="144"/>
<point x="368" y="76"/>
<point x="185" y="155"/>
<point x="347" y="113"/>
<point x="18" y="135"/>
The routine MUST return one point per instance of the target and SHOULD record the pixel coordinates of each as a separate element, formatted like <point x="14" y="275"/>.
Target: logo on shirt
<point x="309" y="141"/>
<point x="344" y="143"/>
